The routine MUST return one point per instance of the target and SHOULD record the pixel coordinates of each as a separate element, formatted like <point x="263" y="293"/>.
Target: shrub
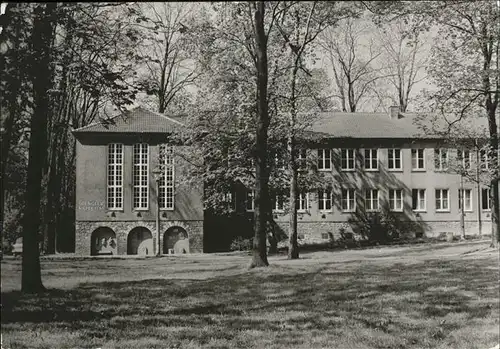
<point x="241" y="244"/>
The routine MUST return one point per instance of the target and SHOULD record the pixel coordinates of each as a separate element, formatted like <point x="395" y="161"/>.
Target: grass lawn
<point x="425" y="296"/>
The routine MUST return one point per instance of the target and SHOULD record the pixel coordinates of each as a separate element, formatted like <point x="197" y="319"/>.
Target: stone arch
<point x="175" y="240"/>
<point x="140" y="241"/>
<point x="103" y="242"/>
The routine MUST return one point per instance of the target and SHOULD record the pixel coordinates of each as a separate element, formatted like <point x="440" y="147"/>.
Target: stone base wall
<point x="84" y="231"/>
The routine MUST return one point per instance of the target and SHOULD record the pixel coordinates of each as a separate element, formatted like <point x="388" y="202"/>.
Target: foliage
<point x="241" y="244"/>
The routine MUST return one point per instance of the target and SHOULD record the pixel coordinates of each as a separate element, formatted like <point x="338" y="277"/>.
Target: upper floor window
<point x="347" y="160"/>
<point x="484" y="159"/>
<point x="166" y="183"/>
<point x="465" y="195"/>
<point x="324" y="159"/>
<point x="115" y="177"/>
<point x="348" y="200"/>
<point x="279" y="202"/>
<point x="250" y="200"/>
<point x="464" y="158"/>
<point x="371" y="159"/>
<point x="396" y="199"/>
<point x="325" y="200"/>
<point x="302" y="159"/>
<point x="442" y="200"/>
<point x="418" y="200"/>
<point x="395" y="162"/>
<point x="230" y="200"/>
<point x="441" y="159"/>
<point x="485" y="199"/>
<point x="371" y="200"/>
<point x="302" y="202"/>
<point x="140" y="176"/>
<point x="418" y="159"/>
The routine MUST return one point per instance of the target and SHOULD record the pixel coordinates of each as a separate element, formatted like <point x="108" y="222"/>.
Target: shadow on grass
<point x="406" y="302"/>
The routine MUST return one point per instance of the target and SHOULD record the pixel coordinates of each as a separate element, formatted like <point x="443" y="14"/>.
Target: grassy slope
<point x="433" y="296"/>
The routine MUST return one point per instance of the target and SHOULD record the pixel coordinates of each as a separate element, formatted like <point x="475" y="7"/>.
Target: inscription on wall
<point x="91" y="205"/>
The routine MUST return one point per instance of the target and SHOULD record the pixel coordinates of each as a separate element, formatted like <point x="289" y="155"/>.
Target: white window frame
<point x="465" y="161"/>
<point x="348" y="196"/>
<point x="140" y="190"/>
<point x="370" y="200"/>
<point x="302" y="159"/>
<point x="114" y="178"/>
<point x="439" y="155"/>
<point x="416" y="158"/>
<point x="419" y="198"/>
<point x="484" y="159"/>
<point x="393" y="198"/>
<point x="325" y="199"/>
<point x="324" y="160"/>
<point x="166" y="185"/>
<point x="302" y="202"/>
<point x="392" y="159"/>
<point x="347" y="159"/>
<point x="250" y="196"/>
<point x="370" y="159"/>
<point x="468" y="208"/>
<point x="230" y="200"/>
<point x="279" y="198"/>
<point x="440" y="198"/>
<point x="488" y="192"/>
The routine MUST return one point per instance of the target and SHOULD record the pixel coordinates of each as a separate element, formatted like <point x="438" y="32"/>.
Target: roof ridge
<point x="95" y="123"/>
<point x="162" y="115"/>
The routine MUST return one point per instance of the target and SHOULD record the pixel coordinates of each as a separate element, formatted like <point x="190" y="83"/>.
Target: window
<point x="396" y="199"/>
<point x="250" y="201"/>
<point x="441" y="159"/>
<point x="464" y="158"/>
<point x="484" y="159"/>
<point x="302" y="159"/>
<point x="347" y="161"/>
<point x="485" y="199"/>
<point x="230" y="200"/>
<point x="140" y="176"/>
<point x="115" y="177"/>
<point x="418" y="200"/>
<point x="324" y="159"/>
<point x="325" y="200"/>
<point x="371" y="159"/>
<point x="442" y="200"/>
<point x="166" y="183"/>
<point x="371" y="200"/>
<point x="348" y="200"/>
<point x="417" y="159"/>
<point x="395" y="159"/>
<point x="279" y="203"/>
<point x="303" y="202"/>
<point x="466" y="196"/>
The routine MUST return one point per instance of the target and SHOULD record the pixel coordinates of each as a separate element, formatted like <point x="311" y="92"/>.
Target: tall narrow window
<point x="371" y="159"/>
<point x="395" y="162"/>
<point x="347" y="161"/>
<point x="302" y="159"/>
<point x="441" y="159"/>
<point x="324" y="159"/>
<point x="484" y="159"/>
<point x="250" y="201"/>
<point x="418" y="200"/>
<point x="302" y="202"/>
<point x="485" y="199"/>
<point x="464" y="158"/>
<point x="442" y="200"/>
<point x="279" y="202"/>
<point x="465" y="195"/>
<point x="417" y="159"/>
<point x="325" y="200"/>
<point x="115" y="176"/>
<point x="371" y="200"/>
<point x="348" y="200"/>
<point x="166" y="184"/>
<point x="140" y="176"/>
<point x="396" y="200"/>
<point x="230" y="200"/>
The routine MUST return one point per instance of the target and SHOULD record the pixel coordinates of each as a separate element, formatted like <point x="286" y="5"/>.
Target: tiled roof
<point x="136" y="120"/>
<point x="381" y="125"/>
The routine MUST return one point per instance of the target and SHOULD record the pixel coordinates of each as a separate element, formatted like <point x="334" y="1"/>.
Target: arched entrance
<point x="103" y="242"/>
<point x="140" y="241"/>
<point x="175" y="240"/>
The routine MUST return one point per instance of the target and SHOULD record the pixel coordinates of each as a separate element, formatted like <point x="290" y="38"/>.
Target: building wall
<point x="91" y="195"/>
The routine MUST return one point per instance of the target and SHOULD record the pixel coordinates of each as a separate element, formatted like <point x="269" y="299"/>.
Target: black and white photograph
<point x="250" y="174"/>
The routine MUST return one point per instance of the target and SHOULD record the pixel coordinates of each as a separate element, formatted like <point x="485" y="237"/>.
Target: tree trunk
<point x="293" y="246"/>
<point x="42" y="36"/>
<point x="259" y="253"/>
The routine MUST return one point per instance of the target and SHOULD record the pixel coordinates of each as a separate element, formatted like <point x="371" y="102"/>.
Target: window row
<point x="372" y="198"/>
<point x="370" y="159"/>
<point x="140" y="177"/>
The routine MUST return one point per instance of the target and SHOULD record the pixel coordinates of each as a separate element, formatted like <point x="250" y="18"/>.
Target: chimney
<point x="394" y="112"/>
